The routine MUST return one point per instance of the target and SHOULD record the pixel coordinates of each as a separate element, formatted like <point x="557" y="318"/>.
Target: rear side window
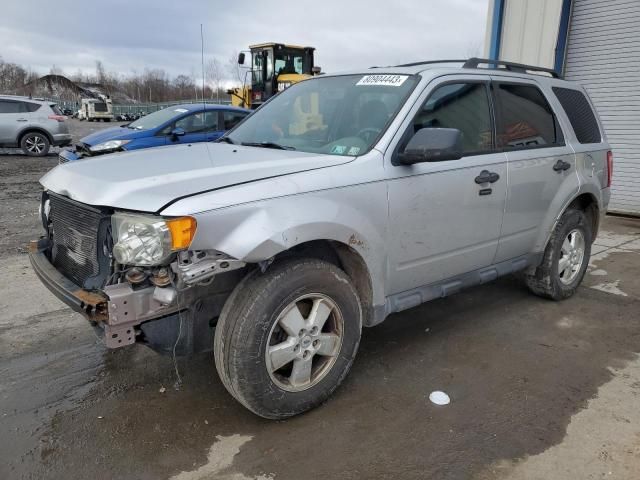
<point x="231" y="119"/>
<point x="9" y="106"/>
<point x="464" y="106"/>
<point x="525" y="119"/>
<point x="580" y="114"/>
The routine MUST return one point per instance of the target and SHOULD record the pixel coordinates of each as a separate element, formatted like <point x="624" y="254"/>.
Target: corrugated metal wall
<point x="530" y="30"/>
<point x="604" y="55"/>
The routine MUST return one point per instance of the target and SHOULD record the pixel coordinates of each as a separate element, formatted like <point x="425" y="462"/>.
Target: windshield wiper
<point x="226" y="140"/>
<point x="274" y="145"/>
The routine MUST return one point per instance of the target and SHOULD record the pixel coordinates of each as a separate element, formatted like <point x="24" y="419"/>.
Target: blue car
<point x="188" y="123"/>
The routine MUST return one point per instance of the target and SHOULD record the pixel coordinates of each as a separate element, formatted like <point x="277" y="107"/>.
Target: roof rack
<point x="428" y="62"/>
<point x="510" y="66"/>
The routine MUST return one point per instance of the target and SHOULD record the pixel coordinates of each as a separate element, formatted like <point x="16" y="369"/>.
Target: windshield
<point x="155" y="119"/>
<point x="341" y="115"/>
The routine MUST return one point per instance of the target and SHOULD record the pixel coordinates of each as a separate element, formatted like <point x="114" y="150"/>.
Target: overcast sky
<point x="131" y="35"/>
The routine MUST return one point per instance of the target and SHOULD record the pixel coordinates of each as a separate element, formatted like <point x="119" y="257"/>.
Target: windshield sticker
<point x="181" y="110"/>
<point x="353" y="151"/>
<point x="339" y="149"/>
<point x="388" y="80"/>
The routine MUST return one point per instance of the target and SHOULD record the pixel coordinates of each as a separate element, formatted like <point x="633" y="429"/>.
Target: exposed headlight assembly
<point x="146" y="240"/>
<point x="110" y="145"/>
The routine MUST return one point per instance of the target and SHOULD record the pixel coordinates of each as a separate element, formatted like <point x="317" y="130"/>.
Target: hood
<point x="147" y="180"/>
<point x="115" y="133"/>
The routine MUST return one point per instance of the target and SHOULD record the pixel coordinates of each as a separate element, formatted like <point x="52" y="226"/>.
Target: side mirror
<point x="316" y="70"/>
<point x="432" y="145"/>
<point x="177" y="132"/>
<point x="241" y="58"/>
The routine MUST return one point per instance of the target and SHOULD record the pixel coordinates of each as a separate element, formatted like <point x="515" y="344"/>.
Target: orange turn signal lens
<point x="182" y="230"/>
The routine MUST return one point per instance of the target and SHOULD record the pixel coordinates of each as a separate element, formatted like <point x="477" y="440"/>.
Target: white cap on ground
<point x="439" y="398"/>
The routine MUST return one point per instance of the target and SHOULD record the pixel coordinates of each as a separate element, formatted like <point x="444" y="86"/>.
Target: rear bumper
<point x="61" y="139"/>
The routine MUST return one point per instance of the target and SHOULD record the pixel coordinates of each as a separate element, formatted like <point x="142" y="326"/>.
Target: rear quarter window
<point x="31" y="107"/>
<point x="580" y="114"/>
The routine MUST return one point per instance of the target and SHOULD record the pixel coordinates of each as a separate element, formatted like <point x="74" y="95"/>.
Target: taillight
<point x="609" y="167"/>
<point x="57" y="118"/>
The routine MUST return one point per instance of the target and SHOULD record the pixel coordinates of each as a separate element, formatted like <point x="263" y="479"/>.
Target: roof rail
<point x="427" y="62"/>
<point x="510" y="66"/>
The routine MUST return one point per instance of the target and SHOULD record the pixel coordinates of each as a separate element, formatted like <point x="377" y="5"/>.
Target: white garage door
<point x="603" y="54"/>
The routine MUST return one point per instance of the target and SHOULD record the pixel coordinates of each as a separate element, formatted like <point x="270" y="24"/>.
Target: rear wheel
<point x="35" y="144"/>
<point x="287" y="338"/>
<point x="565" y="259"/>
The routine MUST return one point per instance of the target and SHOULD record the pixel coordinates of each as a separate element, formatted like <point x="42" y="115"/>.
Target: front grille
<point x="81" y="241"/>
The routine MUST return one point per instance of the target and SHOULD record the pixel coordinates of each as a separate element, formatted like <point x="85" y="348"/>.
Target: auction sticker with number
<point x="388" y="80"/>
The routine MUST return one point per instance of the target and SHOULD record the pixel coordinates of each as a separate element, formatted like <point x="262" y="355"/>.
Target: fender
<point x="257" y="231"/>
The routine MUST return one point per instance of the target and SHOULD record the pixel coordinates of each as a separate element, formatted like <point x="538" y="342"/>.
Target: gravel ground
<point x="539" y="390"/>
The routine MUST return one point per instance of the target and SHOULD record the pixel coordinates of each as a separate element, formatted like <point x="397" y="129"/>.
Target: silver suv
<point x="343" y="199"/>
<point x="32" y="125"/>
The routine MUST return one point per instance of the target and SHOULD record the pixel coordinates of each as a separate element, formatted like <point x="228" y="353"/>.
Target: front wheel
<point x="565" y="259"/>
<point x="286" y="338"/>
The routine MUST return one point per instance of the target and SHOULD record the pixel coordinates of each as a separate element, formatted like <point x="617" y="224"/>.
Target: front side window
<point x="525" y="118"/>
<point x="464" y="106"/>
<point x="342" y="115"/>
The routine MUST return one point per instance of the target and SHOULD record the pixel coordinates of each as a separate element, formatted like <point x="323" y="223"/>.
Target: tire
<point x="35" y="144"/>
<point x="556" y="278"/>
<point x="264" y="311"/>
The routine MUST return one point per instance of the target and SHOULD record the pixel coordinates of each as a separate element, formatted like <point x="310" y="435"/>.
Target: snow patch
<point x="219" y="459"/>
<point x="610" y="287"/>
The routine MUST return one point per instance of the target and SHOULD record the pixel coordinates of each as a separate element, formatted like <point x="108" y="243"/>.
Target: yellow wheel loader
<point x="274" y="67"/>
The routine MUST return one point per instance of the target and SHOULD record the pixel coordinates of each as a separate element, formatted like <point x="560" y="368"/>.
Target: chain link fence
<point x="154" y="107"/>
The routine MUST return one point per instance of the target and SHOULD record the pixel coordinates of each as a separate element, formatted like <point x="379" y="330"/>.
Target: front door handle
<point x="21" y="120"/>
<point x="561" y="166"/>
<point x="487" y="177"/>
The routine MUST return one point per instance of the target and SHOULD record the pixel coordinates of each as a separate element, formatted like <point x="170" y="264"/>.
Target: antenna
<point x="204" y="102"/>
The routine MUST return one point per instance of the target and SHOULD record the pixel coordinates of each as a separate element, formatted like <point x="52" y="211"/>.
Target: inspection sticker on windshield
<point x="339" y="149"/>
<point x="181" y="110"/>
<point x="388" y="80"/>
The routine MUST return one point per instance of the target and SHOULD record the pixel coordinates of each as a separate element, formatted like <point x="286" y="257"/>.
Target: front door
<point x="444" y="219"/>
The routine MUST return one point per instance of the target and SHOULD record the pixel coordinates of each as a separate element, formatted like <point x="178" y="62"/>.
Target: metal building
<point x="594" y="42"/>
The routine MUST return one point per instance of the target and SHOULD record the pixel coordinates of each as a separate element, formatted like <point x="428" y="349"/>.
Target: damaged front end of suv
<point x="123" y="269"/>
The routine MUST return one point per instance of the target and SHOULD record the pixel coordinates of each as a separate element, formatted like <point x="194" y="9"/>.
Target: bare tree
<point x="213" y="73"/>
<point x="236" y="70"/>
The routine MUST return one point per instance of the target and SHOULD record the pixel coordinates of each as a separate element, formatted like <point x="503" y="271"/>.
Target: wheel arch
<point x="345" y="257"/>
<point x="34" y="130"/>
<point x="585" y="200"/>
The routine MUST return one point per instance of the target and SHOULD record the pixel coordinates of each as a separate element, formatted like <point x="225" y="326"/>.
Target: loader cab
<point x="275" y="66"/>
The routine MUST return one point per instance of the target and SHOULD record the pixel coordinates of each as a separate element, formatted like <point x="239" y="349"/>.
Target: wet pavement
<point x="519" y="370"/>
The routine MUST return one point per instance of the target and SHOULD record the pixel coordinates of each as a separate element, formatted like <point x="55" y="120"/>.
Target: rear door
<point x="443" y="220"/>
<point x="13" y="117"/>
<point x="541" y="164"/>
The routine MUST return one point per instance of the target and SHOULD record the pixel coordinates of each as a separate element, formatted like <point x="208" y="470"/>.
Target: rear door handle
<point x="561" y="166"/>
<point x="487" y="177"/>
<point x="21" y="120"/>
